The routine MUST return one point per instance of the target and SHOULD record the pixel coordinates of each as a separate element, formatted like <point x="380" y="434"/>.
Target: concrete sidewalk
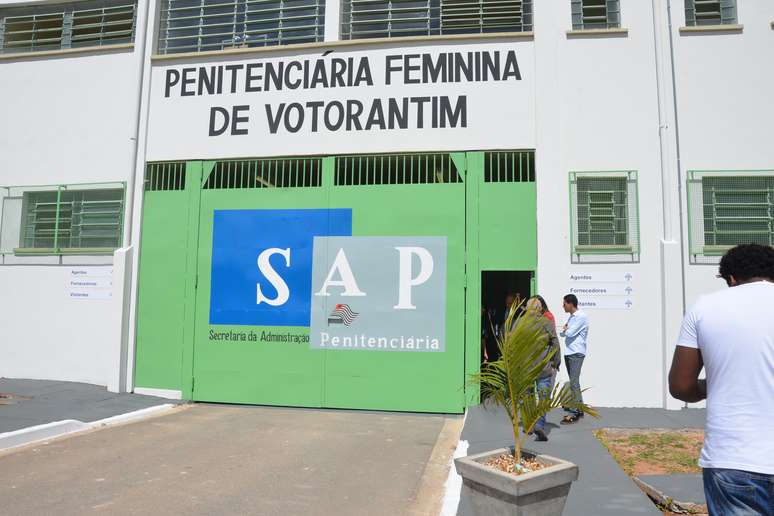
<point x="228" y="459"/>
<point x="37" y="402"/>
<point x="603" y="488"/>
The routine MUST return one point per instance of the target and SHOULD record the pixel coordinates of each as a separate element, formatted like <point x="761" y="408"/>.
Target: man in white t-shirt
<point x="731" y="334"/>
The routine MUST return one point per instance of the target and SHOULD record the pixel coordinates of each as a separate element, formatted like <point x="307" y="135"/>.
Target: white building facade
<point x="646" y="122"/>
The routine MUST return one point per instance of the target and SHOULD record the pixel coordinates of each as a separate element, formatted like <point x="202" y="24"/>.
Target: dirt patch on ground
<point x="653" y="451"/>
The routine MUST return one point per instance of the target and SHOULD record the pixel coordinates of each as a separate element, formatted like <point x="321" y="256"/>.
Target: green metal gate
<point x="389" y="195"/>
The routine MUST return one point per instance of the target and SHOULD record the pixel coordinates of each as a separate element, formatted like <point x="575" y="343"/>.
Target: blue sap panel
<point x="239" y="237"/>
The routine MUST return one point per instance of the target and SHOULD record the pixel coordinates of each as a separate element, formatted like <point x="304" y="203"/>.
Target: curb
<point x="39" y="433"/>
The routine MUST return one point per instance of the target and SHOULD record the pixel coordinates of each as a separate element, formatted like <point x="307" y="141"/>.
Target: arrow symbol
<point x="628" y="290"/>
<point x="628" y="303"/>
<point x="628" y="276"/>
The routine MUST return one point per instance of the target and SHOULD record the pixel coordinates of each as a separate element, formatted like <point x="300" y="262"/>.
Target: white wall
<point x="724" y="105"/>
<point x="67" y="118"/>
<point x="597" y="111"/>
<point x="47" y="334"/>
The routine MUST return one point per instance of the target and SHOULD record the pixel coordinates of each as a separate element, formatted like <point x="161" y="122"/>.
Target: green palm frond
<point x="509" y="381"/>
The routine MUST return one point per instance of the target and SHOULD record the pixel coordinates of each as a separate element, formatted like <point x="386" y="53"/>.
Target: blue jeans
<point x="731" y="492"/>
<point x="574" y="363"/>
<point x="544" y="386"/>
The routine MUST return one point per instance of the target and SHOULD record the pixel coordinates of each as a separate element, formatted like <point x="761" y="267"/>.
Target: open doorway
<point x="498" y="289"/>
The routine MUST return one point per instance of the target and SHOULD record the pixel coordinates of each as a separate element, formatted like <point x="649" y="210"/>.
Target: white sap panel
<point x="493" y="110"/>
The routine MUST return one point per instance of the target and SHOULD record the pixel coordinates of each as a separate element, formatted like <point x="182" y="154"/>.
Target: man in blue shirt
<point x="575" y="333"/>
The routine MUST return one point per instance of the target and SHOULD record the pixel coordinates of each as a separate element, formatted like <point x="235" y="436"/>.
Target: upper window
<point x="202" y="25"/>
<point x="595" y="14"/>
<point x="728" y="209"/>
<point x="395" y="18"/>
<point x="605" y="224"/>
<point x="68" y="219"/>
<point x="710" y="12"/>
<point x="65" y="26"/>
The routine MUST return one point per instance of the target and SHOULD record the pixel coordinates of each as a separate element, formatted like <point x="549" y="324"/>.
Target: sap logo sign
<point x="340" y="275"/>
<point x="262" y="263"/>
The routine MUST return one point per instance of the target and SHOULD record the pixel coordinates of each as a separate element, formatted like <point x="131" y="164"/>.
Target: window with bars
<point x="728" y="209"/>
<point x="595" y="14"/>
<point x="65" y="220"/>
<point x="64" y="26"/>
<point x="509" y="167"/>
<point x="266" y="173"/>
<point x="396" y="169"/>
<point x="169" y="175"/>
<point x="202" y="25"/>
<point x="710" y="12"/>
<point x="604" y="215"/>
<point x="394" y="18"/>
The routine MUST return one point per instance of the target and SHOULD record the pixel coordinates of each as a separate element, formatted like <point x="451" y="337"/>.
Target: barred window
<point x="201" y="25"/>
<point x="395" y="18"/>
<point x="604" y="216"/>
<point x="80" y="219"/>
<point x="728" y="209"/>
<point x="396" y="169"/>
<point x="710" y="12"/>
<point x="595" y="14"/>
<point x="63" y="26"/>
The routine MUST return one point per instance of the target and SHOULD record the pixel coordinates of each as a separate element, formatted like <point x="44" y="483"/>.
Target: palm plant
<point x="509" y="381"/>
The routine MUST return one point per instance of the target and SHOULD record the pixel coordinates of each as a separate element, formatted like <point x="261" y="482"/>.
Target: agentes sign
<point x="272" y="267"/>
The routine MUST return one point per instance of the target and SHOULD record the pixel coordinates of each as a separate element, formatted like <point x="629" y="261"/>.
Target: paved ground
<point x="227" y="459"/>
<point x="603" y="488"/>
<point x="682" y="488"/>
<point x="35" y="402"/>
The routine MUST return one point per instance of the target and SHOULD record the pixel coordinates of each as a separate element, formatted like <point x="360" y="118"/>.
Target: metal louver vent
<point x="394" y="18"/>
<point x="201" y="25"/>
<point x="57" y="27"/>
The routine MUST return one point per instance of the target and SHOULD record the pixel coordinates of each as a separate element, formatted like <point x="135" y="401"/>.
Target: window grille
<point x="710" y="12"/>
<point x="595" y="14"/>
<point x="76" y="220"/>
<point x="62" y="26"/>
<point x="605" y="225"/>
<point x="509" y="167"/>
<point x="201" y="25"/>
<point x="395" y="18"/>
<point x="165" y="176"/>
<point x="266" y="173"/>
<point x="396" y="169"/>
<point x="728" y="209"/>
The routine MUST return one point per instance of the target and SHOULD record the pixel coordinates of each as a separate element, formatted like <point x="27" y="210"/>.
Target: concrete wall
<point x="597" y="110"/>
<point x="67" y="118"/>
<point x="724" y="105"/>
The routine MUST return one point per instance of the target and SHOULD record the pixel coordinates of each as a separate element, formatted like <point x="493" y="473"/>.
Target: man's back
<point x="734" y="330"/>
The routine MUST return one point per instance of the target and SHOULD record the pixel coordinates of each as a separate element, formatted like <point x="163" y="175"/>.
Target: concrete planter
<point x="493" y="492"/>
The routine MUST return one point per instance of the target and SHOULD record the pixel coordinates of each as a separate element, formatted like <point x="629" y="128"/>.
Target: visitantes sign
<point x="439" y="97"/>
<point x="379" y="293"/>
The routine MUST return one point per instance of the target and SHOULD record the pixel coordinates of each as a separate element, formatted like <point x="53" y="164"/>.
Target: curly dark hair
<point x="748" y="261"/>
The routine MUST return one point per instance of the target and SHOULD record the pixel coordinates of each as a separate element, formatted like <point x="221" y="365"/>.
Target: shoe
<point x="569" y="420"/>
<point x="540" y="435"/>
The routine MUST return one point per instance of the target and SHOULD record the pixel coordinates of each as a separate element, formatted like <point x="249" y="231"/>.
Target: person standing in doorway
<point x="575" y="332"/>
<point x="546" y="312"/>
<point x="545" y="382"/>
<point x="731" y="335"/>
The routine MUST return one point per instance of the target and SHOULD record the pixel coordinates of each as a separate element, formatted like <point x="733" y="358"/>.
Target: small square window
<point x="605" y="226"/>
<point x="595" y="14"/>
<point x="710" y="12"/>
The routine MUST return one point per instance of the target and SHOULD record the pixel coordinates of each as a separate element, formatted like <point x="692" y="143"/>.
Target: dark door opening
<point x="498" y="290"/>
